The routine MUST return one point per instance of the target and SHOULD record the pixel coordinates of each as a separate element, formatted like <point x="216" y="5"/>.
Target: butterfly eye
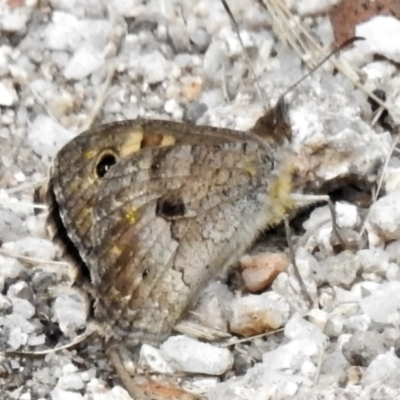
<point x="105" y="162"/>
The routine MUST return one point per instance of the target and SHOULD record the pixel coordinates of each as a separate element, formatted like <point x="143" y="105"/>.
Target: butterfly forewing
<point x="154" y="208"/>
<point x="167" y="219"/>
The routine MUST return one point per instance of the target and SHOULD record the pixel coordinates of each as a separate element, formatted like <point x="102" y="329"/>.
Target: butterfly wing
<point x="166" y="220"/>
<point x="79" y="168"/>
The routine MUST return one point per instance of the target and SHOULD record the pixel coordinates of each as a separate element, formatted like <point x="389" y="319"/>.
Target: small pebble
<point x="384" y="304"/>
<point x="71" y="313"/>
<point x="298" y="327"/>
<point x="334" y="325"/>
<point x="385" y="217"/>
<point x="363" y="348"/>
<point x="259" y="271"/>
<point x="255" y="314"/>
<point x="190" y="355"/>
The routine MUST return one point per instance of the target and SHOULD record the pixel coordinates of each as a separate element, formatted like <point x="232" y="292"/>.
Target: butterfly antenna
<point x="335" y="51"/>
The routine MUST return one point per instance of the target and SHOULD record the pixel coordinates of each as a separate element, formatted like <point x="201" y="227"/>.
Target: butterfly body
<point x="154" y="209"/>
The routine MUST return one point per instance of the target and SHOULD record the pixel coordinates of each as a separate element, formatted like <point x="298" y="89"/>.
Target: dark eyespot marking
<point x="171" y="208"/>
<point x="105" y="162"/>
<point x="145" y="273"/>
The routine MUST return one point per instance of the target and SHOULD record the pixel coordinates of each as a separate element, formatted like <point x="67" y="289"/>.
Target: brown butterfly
<point x="153" y="209"/>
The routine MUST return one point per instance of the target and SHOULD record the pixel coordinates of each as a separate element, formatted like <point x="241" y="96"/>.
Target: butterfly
<point x="154" y="209"/>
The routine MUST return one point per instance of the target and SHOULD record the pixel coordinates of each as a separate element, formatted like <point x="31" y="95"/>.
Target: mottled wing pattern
<point x="75" y="179"/>
<point x="167" y="219"/>
<point x="152" y="209"/>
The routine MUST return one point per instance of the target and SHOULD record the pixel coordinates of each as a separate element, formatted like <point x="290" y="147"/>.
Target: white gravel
<point x="182" y="60"/>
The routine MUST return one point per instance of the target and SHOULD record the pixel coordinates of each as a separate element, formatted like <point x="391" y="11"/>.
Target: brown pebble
<point x="259" y="271"/>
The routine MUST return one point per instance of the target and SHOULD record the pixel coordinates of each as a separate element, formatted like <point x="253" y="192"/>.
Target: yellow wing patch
<point x="130" y="216"/>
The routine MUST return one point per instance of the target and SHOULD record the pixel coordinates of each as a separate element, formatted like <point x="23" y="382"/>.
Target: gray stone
<point x="363" y="348"/>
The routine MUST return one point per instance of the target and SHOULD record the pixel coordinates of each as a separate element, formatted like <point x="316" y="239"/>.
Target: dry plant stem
<point x="126" y="379"/>
<point x="289" y="30"/>
<point x="235" y="340"/>
<point x="100" y="99"/>
<point x="140" y="390"/>
<point x="335" y="229"/>
<point x="24" y="204"/>
<point x="303" y="288"/>
<point x="319" y="365"/>
<point x="378" y="189"/>
<point x="236" y="28"/>
<point x="26" y="186"/>
<point x="31" y="260"/>
<point x="79" y="339"/>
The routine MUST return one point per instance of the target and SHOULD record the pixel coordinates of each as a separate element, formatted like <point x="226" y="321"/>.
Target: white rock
<point x="46" y="137"/>
<point x="393" y="272"/>
<point x="154" y="67"/>
<point x="384" y="370"/>
<point x="23" y="307"/>
<point x="190" y="355"/>
<point x="382" y="36"/>
<point x="11" y="226"/>
<point x="38" y="340"/>
<point x="10" y="267"/>
<point x="254" y="314"/>
<point x="391" y="178"/>
<point x="334" y="325"/>
<point x="66" y="32"/>
<point x="346" y="215"/>
<point x="306" y="7"/>
<point x="60" y="394"/>
<point x="172" y="107"/>
<point x="288" y="286"/>
<point x="373" y="261"/>
<point x="291" y="355"/>
<point x="308" y="369"/>
<point x="70" y="382"/>
<point x="385" y="216"/>
<point x="70" y="312"/>
<point x="338" y="270"/>
<point x="14" y="19"/>
<point x="84" y="61"/>
<point x="214" y="306"/>
<point x="63" y="33"/>
<point x="17" y="338"/>
<point x="318" y="317"/>
<point x="22" y="290"/>
<point x="259" y="382"/>
<point x="33" y="247"/>
<point x="357" y="323"/>
<point x="383" y="304"/>
<point x="297" y="327"/>
<point x="393" y="251"/>
<point x="116" y="393"/>
<point x="8" y="94"/>
<point x="152" y="358"/>
<point x="5" y="304"/>
<point x="13" y="321"/>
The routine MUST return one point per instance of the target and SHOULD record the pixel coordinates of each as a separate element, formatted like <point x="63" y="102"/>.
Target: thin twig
<point x="79" y="339"/>
<point x="31" y="260"/>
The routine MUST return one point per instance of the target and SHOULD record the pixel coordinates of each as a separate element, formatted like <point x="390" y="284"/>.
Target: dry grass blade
<point x="79" y="339"/>
<point x="380" y="183"/>
<point x="199" y="331"/>
<point x="31" y="260"/>
<point x="289" y="30"/>
<point x="234" y="340"/>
